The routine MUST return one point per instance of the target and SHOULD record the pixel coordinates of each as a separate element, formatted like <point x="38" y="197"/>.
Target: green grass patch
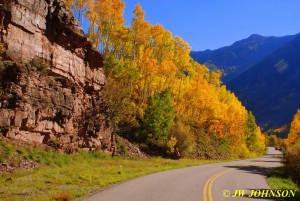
<point x="66" y="177"/>
<point x="278" y="179"/>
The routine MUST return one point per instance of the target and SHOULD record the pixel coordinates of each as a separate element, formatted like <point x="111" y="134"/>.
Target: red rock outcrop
<point x="45" y="29"/>
<point x="51" y="92"/>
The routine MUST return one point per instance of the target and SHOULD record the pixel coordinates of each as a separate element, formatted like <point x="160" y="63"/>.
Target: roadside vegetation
<point x="66" y="177"/>
<point x="279" y="179"/>
<point x="288" y="176"/>
<point x="292" y="149"/>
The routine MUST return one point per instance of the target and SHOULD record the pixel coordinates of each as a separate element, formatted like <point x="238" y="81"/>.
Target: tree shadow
<point x="273" y="161"/>
<point x="253" y="169"/>
<point x="256" y="169"/>
<point x="265" y="171"/>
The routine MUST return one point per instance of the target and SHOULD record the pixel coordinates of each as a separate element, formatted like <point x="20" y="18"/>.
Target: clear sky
<point x="210" y="24"/>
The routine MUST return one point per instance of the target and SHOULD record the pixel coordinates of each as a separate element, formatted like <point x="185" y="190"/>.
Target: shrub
<point x="122" y="148"/>
<point x="61" y="197"/>
<point x="292" y="160"/>
<point x="185" y="138"/>
<point x="8" y="64"/>
<point x="172" y="143"/>
<point x="40" y="65"/>
<point x="7" y="152"/>
<point x="2" y="48"/>
<point x="2" y="51"/>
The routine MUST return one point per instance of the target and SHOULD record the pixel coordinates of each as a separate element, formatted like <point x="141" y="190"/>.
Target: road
<point x="209" y="182"/>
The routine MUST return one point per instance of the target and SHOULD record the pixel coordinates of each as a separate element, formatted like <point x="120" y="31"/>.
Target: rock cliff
<point x="51" y="84"/>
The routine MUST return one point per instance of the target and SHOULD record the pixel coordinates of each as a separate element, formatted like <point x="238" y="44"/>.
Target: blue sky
<point x="210" y="24"/>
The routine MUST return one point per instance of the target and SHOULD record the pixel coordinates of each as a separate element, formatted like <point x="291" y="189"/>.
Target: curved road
<point x="200" y="183"/>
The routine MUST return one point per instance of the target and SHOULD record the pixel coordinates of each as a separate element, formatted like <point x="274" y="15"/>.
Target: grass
<point x="278" y="179"/>
<point x="67" y="177"/>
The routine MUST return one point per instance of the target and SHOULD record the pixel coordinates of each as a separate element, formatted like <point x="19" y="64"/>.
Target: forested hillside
<point x="158" y="96"/>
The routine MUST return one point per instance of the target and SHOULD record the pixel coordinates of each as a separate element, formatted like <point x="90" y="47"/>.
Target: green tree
<point x="158" y="117"/>
<point x="272" y="140"/>
<point x="252" y="140"/>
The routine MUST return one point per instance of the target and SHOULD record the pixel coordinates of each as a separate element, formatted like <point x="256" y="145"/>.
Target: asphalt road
<point x="212" y="182"/>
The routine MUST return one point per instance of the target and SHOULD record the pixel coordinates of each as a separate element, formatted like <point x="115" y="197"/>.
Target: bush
<point x="122" y="148"/>
<point x="186" y="140"/>
<point x="2" y="48"/>
<point x="2" y="51"/>
<point x="7" y="152"/>
<point x="40" y="65"/>
<point x="62" y="197"/>
<point x="292" y="160"/>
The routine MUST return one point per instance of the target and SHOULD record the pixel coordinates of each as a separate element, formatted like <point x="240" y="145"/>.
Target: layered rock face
<point x="51" y="93"/>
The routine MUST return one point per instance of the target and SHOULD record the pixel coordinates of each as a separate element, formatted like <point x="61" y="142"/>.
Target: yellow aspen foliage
<point x="262" y="140"/>
<point x="140" y="30"/>
<point x="294" y="134"/>
<point x="145" y="60"/>
<point x="182" y="52"/>
<point x="106" y="19"/>
<point x="292" y="153"/>
<point x="69" y="3"/>
<point x="168" y="69"/>
<point x="148" y="68"/>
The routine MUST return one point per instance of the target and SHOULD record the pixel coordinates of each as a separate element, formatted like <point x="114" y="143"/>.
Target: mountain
<point x="235" y="59"/>
<point x="271" y="88"/>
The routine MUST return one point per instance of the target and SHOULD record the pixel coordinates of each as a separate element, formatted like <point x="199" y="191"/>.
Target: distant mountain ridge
<point x="271" y="88"/>
<point x="235" y="59"/>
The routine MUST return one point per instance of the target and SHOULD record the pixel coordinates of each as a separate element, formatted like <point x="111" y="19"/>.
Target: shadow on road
<point x="257" y="169"/>
<point x="265" y="171"/>
<point x="273" y="161"/>
<point x="253" y="169"/>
